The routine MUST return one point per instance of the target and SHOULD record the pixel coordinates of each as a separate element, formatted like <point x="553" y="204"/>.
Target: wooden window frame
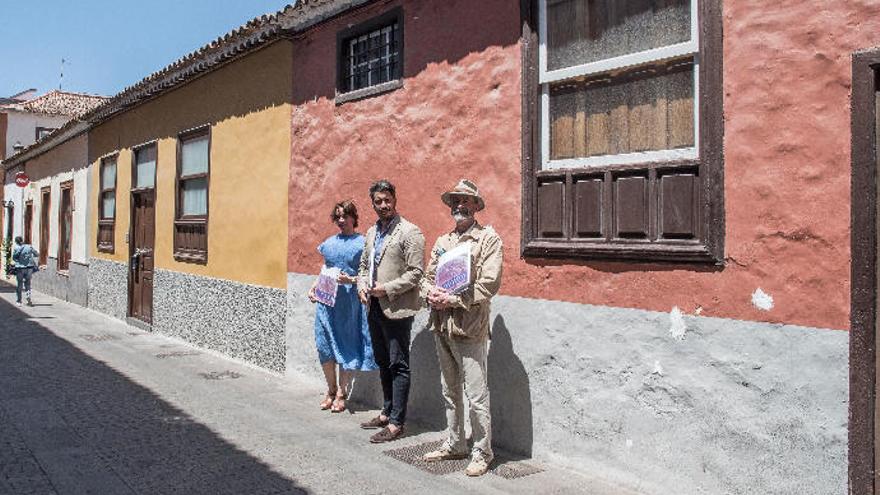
<point x="63" y="264"/>
<point x="45" y="227"/>
<point x="343" y="37"/>
<point x="707" y="167"/>
<point x="182" y="222"/>
<point x="107" y="223"/>
<point x="28" y="221"/>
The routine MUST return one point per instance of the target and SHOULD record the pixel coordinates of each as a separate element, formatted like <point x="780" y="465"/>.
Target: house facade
<point x="671" y="182"/>
<point x="41" y="138"/>
<point x="188" y="230"/>
<point x="51" y="212"/>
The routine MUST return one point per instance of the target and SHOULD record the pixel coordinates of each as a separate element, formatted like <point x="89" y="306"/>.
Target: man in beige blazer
<point x="388" y="284"/>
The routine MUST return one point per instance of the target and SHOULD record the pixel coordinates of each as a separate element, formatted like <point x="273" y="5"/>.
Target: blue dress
<point x="341" y="332"/>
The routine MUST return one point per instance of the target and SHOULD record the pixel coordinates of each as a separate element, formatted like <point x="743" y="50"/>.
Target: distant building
<point x="25" y="119"/>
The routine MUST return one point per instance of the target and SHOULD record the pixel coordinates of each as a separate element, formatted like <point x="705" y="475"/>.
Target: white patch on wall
<point x="658" y="369"/>
<point x="762" y="300"/>
<point x="677" y="327"/>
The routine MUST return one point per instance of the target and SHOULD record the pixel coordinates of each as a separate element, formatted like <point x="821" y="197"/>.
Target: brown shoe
<point x="374" y="423"/>
<point x="386" y="435"/>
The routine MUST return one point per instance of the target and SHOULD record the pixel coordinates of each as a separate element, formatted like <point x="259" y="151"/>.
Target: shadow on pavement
<point x="72" y="424"/>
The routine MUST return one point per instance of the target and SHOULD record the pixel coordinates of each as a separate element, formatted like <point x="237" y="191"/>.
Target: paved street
<point x="91" y="405"/>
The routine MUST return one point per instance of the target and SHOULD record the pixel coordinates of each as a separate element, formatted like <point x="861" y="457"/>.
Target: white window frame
<point x="631" y="60"/>
<point x="385" y="34"/>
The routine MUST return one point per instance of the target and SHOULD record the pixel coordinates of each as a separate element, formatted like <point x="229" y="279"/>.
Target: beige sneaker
<point x="444" y="454"/>
<point x="479" y="464"/>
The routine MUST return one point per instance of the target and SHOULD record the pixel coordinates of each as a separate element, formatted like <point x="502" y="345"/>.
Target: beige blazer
<point x="401" y="264"/>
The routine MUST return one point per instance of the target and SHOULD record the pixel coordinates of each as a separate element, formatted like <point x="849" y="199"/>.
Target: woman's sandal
<point x="327" y="403"/>
<point x="338" y="405"/>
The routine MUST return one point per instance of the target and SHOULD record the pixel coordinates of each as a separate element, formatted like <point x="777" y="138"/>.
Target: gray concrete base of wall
<point x="239" y="320"/>
<point x="72" y="286"/>
<point x="242" y="321"/>
<point x="731" y="407"/>
<point x="108" y="287"/>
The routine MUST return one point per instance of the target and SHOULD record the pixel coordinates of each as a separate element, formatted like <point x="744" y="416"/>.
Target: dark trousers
<point x="391" y="351"/>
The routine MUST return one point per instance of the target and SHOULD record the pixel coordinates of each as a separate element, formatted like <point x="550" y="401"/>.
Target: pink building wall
<point x="787" y="138"/>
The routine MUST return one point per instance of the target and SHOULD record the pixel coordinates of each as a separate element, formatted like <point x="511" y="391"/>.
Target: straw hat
<point x="464" y="188"/>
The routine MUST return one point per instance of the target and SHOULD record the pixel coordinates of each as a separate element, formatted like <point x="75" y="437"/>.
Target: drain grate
<point x="101" y="337"/>
<point x="514" y="469"/>
<point x="221" y="375"/>
<point x="176" y="354"/>
<point x="412" y="455"/>
<point x="504" y="467"/>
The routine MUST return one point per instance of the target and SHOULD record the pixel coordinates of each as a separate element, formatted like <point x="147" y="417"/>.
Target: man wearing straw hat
<point x="460" y="322"/>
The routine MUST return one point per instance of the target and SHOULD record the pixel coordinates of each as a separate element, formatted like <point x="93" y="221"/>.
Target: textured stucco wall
<point x="786" y="85"/>
<point x="247" y="104"/>
<point x="733" y="407"/>
<point x="239" y="320"/>
<point x="108" y="287"/>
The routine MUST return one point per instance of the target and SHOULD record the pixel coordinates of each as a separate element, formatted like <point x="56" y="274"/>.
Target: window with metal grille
<point x="371" y="54"/>
<point x="193" y="175"/>
<point x="372" y="58"/>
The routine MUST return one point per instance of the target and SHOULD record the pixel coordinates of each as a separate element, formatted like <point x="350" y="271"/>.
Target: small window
<point x="371" y="55"/>
<point x="107" y="206"/>
<point x="193" y="174"/>
<point x="145" y="167"/>
<point x="41" y="132"/>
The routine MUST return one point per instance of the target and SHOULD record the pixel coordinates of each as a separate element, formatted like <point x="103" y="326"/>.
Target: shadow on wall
<point x="512" y="426"/>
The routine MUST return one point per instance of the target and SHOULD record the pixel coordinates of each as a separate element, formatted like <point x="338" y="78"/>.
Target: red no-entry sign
<point x="21" y="179"/>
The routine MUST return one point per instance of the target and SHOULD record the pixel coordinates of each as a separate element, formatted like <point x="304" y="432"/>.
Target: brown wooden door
<point x="45" y="206"/>
<point x="143" y="230"/>
<point x="28" y="221"/>
<point x="864" y="360"/>
<point x="65" y="226"/>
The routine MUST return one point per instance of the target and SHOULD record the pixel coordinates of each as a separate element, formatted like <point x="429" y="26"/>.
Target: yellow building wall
<point x="248" y="106"/>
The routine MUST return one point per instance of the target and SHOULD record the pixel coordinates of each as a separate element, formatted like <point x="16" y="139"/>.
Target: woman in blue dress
<point x="341" y="332"/>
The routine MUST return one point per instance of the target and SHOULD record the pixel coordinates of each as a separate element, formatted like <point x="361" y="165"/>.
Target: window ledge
<point x="360" y="94"/>
<point x="642" y="251"/>
<point x="199" y="259"/>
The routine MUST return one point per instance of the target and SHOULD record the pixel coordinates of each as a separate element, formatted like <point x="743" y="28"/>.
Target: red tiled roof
<point x="59" y="103"/>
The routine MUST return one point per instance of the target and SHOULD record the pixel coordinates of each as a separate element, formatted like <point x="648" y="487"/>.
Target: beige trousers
<point x="464" y="364"/>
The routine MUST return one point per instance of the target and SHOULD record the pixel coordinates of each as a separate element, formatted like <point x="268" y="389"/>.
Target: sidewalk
<point x="89" y="404"/>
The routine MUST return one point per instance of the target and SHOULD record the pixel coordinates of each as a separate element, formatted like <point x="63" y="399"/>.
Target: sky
<point x="108" y="45"/>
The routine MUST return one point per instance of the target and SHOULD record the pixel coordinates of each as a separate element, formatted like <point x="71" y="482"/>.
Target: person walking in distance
<point x="460" y="322"/>
<point x="388" y="279"/>
<point x="24" y="256"/>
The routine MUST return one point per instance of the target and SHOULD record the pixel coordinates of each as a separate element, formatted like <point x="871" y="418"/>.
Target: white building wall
<point x="81" y="206"/>
<point x="21" y="127"/>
